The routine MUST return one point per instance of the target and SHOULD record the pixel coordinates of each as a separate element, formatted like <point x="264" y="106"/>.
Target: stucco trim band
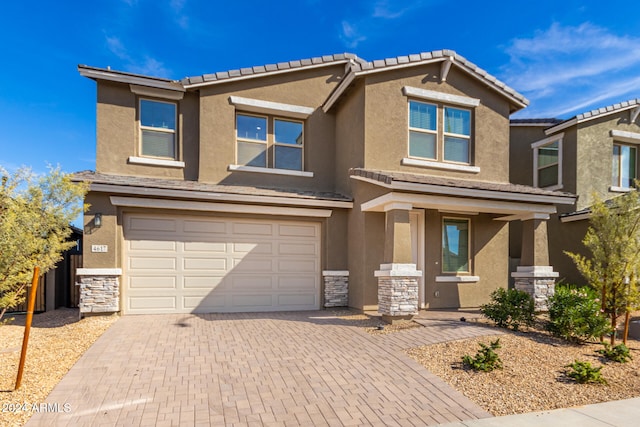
<point x="271" y="171"/>
<point x="446" y="98"/>
<point x="99" y="271"/>
<point x="457" y="279"/>
<point x="624" y="136"/>
<point x="269" y="107"/>
<point x="155" y="162"/>
<point x="439" y="165"/>
<point x="140" y="202"/>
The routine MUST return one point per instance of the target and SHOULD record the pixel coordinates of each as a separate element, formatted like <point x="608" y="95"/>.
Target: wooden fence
<point x="40" y="299"/>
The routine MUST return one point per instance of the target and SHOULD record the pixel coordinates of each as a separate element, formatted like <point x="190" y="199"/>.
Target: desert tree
<point x="35" y="216"/>
<point x="613" y="238"/>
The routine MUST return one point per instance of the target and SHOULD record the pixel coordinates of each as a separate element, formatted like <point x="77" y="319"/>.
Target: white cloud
<point x="382" y="9"/>
<point x="145" y="65"/>
<point x="564" y="68"/>
<point x="350" y="35"/>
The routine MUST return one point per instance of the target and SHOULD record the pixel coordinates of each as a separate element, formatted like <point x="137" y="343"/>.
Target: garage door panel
<point x="205" y="226"/>
<point x="207" y="283"/>
<point x="298" y="282"/>
<point x="297" y="230"/>
<point x="211" y="264"/>
<point x="250" y="283"/>
<point x="215" y="247"/>
<point x="187" y="264"/>
<point x="151" y="303"/>
<point x="152" y="224"/>
<point x="254" y="264"/>
<point x="252" y="228"/>
<point x="152" y="263"/>
<point x="152" y="282"/>
<point x="298" y="249"/>
<point x="256" y="301"/>
<point x="152" y="245"/>
<point x="296" y="265"/>
<point x="198" y="304"/>
<point x="297" y="300"/>
<point x="255" y="248"/>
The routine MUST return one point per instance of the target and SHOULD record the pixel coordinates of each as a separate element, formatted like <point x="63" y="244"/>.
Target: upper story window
<point x="270" y="137"/>
<point x="158" y="129"/>
<point x="424" y="132"/>
<point x="624" y="166"/>
<point x="269" y="142"/>
<point x="440" y="130"/>
<point x="455" y="245"/>
<point x="547" y="162"/>
<point x="457" y="134"/>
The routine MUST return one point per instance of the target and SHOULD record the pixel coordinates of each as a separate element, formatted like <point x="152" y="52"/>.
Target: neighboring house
<point x="328" y="181"/>
<point x="591" y="153"/>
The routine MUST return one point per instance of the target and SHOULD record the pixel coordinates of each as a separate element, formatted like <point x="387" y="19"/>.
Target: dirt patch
<point x="533" y="377"/>
<point x="56" y="341"/>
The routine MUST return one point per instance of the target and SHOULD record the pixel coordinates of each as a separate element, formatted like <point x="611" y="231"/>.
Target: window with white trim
<point x="157" y="121"/>
<point x="455" y="245"/>
<point x="269" y="142"/>
<point x="451" y="143"/>
<point x="623" y="171"/>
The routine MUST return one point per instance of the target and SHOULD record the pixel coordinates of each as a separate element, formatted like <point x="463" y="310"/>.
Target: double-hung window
<point x="455" y="245"/>
<point x="440" y="130"/>
<point x="547" y="162"/>
<point x="457" y="134"/>
<point x="624" y="166"/>
<point x="269" y="142"/>
<point x="158" y="129"/>
<point x="423" y="131"/>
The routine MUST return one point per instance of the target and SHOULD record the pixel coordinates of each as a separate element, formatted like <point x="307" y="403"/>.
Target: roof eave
<point x="120" y="77"/>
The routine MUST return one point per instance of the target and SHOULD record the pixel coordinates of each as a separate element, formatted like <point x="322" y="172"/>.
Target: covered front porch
<point x="446" y="240"/>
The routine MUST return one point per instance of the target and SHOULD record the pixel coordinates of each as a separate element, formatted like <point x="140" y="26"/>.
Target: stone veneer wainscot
<point x="336" y="288"/>
<point x="99" y="289"/>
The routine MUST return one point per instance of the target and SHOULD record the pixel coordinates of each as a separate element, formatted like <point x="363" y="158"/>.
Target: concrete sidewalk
<point x="619" y="413"/>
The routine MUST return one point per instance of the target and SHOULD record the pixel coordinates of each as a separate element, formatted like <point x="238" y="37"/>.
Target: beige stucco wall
<point x="349" y="136"/>
<point x="217" y="128"/>
<point x="117" y="134"/>
<point x="489" y="260"/>
<point x="108" y="234"/>
<point x="386" y="122"/>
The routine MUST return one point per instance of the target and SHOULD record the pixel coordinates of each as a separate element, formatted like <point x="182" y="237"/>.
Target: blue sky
<point x="567" y="56"/>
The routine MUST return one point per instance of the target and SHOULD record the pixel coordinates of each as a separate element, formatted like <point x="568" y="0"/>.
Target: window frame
<point x="270" y="143"/>
<point x="442" y="246"/>
<point x="439" y="160"/>
<point x="536" y="146"/>
<point x="421" y="130"/>
<point x="446" y="134"/>
<point x="618" y="186"/>
<point x="142" y="128"/>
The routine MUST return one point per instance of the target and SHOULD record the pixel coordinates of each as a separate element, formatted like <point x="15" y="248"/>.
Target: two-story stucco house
<point x="329" y="181"/>
<point x="591" y="153"/>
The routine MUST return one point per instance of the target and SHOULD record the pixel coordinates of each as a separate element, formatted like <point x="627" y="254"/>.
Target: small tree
<point x="613" y="238"/>
<point x="35" y="213"/>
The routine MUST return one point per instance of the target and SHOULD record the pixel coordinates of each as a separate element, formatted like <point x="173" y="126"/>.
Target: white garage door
<point x="202" y="265"/>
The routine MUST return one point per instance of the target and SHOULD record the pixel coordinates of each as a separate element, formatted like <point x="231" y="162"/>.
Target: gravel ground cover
<point x="533" y="377"/>
<point x="56" y="341"/>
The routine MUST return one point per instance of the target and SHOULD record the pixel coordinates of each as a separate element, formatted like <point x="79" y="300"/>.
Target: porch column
<point x="397" y="277"/>
<point x="534" y="274"/>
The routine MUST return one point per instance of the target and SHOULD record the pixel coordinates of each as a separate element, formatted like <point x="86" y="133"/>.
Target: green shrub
<point x="583" y="372"/>
<point x="486" y="359"/>
<point x="574" y="314"/>
<point x="619" y="353"/>
<point x="509" y="308"/>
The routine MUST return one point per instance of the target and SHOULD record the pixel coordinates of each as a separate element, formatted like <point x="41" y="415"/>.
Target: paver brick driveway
<point x="306" y="368"/>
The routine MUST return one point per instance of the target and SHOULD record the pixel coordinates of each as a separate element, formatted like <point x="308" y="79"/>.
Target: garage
<point x="185" y="264"/>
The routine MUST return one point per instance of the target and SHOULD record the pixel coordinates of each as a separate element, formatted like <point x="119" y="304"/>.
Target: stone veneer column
<point x="397" y="291"/>
<point x="537" y="281"/>
<point x="336" y="288"/>
<point x="99" y="289"/>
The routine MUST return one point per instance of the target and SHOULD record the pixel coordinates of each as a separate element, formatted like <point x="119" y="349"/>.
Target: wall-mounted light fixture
<point x="97" y="220"/>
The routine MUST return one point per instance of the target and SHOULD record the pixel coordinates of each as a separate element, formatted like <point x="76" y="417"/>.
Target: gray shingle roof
<point x="388" y="177"/>
<point x="269" y="68"/>
<point x="551" y="121"/>
<point x="195" y="186"/>
<point x="593" y="114"/>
